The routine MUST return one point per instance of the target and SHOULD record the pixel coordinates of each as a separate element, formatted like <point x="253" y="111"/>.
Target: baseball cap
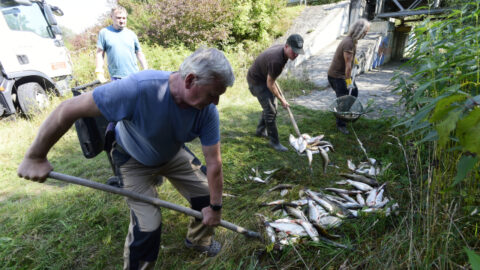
<point x="296" y="42"/>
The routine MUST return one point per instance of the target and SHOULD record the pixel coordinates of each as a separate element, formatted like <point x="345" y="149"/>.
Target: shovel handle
<point x="146" y="199"/>
<point x="290" y="114"/>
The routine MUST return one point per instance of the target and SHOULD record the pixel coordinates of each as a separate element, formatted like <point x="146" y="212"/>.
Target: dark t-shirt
<point x="270" y="62"/>
<point x="337" y="67"/>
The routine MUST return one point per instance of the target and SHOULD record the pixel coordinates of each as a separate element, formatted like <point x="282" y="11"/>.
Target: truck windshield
<point x="26" y="18"/>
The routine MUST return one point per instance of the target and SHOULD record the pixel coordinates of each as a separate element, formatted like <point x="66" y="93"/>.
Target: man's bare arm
<point x="348" y="57"/>
<point x="141" y="58"/>
<point x="99" y="62"/>
<point x="273" y="88"/>
<point x="35" y="165"/>
<point x="213" y="161"/>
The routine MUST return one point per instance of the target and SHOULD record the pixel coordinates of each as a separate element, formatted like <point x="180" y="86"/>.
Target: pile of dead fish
<point x="307" y="145"/>
<point x="317" y="212"/>
<point x="258" y="178"/>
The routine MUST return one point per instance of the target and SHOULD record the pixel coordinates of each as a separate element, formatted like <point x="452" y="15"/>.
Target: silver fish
<point x="379" y="197"/>
<point x="324" y="155"/>
<point x="289" y="226"/>
<point x="371" y="197"/>
<point x="327" y="147"/>
<point x="268" y="229"/>
<point x="343" y="191"/>
<point x="328" y="222"/>
<point x="351" y="165"/>
<point x="310" y="157"/>
<point x="315" y="139"/>
<point x="294" y="212"/>
<point x="330" y="206"/>
<point x="281" y="187"/>
<point x="228" y="195"/>
<point x="313" y="213"/>
<point x="341" y="182"/>
<point x="361" y="178"/>
<point x="333" y="198"/>
<point x="360" y="199"/>
<point x="277" y="202"/>
<point x="351" y="205"/>
<point x="306" y="137"/>
<point x="271" y="171"/>
<point x="347" y="198"/>
<point x="256" y="179"/>
<point x="270" y="233"/>
<point x="293" y="142"/>
<point x="302" y="144"/>
<point x="300" y="202"/>
<point x="311" y="231"/>
<point x="359" y="185"/>
<point x="381" y="203"/>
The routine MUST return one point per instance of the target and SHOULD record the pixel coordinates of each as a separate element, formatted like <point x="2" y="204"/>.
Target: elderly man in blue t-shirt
<point x="157" y="112"/>
<point x="122" y="48"/>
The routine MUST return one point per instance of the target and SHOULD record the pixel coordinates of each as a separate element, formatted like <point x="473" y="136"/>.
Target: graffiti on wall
<point x="383" y="50"/>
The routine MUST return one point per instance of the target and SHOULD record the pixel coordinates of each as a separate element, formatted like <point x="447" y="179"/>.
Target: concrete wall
<point x="334" y="24"/>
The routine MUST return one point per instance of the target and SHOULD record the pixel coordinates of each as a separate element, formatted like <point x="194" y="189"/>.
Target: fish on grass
<point x="307" y="145"/>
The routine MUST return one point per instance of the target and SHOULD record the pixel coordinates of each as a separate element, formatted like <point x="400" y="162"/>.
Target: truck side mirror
<point x="57" y="11"/>
<point x="49" y="15"/>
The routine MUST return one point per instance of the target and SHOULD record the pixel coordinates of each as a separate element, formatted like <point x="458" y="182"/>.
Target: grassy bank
<point x="60" y="226"/>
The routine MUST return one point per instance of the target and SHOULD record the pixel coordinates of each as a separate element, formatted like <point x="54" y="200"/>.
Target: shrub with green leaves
<point x="444" y="91"/>
<point x="212" y="22"/>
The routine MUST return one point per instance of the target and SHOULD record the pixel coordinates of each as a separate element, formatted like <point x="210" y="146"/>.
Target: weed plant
<point x="443" y="99"/>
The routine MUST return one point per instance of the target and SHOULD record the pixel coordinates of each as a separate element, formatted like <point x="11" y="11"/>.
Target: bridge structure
<point x="393" y="20"/>
<point x="323" y="27"/>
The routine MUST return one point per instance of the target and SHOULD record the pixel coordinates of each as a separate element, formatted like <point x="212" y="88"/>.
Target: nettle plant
<point x="443" y="92"/>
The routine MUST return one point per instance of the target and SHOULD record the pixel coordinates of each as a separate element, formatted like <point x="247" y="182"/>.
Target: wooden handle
<point x="150" y="200"/>
<point x="290" y="114"/>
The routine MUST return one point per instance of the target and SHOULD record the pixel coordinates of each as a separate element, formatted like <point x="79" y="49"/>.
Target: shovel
<point x="290" y="114"/>
<point x="150" y="200"/>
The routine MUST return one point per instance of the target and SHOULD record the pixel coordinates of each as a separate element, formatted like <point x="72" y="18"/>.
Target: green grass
<point x="62" y="226"/>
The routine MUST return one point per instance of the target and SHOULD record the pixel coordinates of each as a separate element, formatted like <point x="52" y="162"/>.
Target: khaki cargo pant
<point x="143" y="239"/>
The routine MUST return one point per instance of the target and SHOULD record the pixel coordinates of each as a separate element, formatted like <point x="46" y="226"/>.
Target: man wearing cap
<point x="261" y="82"/>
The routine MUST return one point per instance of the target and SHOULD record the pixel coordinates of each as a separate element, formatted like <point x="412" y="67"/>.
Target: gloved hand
<point x="349" y="83"/>
<point x="100" y="76"/>
<point x="355" y="61"/>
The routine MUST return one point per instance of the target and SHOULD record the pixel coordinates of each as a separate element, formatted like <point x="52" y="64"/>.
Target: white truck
<point x="34" y="62"/>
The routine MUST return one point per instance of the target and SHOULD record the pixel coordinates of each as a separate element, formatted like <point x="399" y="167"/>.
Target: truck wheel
<point x="31" y="98"/>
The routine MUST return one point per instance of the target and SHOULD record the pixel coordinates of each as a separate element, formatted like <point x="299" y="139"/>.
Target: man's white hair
<point x="208" y="65"/>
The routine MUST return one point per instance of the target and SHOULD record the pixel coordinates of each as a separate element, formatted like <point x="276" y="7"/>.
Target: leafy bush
<point x="213" y="22"/>
<point x="444" y="90"/>
<point x="173" y="22"/>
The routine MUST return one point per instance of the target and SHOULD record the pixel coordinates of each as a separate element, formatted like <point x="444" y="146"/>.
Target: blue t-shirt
<point x="121" y="47"/>
<point x="151" y="126"/>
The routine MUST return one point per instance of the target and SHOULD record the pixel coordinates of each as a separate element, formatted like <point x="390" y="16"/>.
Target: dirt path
<point x="374" y="85"/>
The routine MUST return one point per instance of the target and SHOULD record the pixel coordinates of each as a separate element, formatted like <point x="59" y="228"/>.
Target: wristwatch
<point x="216" y="207"/>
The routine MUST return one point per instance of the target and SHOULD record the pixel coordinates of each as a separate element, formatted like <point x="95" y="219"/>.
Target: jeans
<point x="269" y="105"/>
